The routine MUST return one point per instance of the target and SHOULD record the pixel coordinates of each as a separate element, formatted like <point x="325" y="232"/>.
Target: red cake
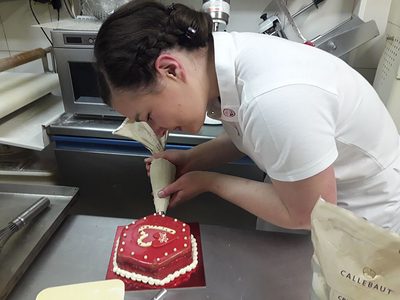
<point x="155" y="250"/>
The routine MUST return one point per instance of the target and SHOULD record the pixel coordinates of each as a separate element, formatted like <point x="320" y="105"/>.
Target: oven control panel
<point x="79" y="40"/>
<point x="73" y="39"/>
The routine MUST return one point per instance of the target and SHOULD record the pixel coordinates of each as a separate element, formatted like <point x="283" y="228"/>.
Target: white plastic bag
<point x="353" y="259"/>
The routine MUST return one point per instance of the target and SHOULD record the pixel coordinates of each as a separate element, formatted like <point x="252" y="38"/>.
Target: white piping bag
<point x="162" y="172"/>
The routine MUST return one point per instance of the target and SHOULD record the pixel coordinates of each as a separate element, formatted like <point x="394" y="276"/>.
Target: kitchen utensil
<point x="219" y="11"/>
<point x="307" y="7"/>
<point x="160" y="295"/>
<point x="288" y="16"/>
<point x="22" y="220"/>
<point x="347" y="36"/>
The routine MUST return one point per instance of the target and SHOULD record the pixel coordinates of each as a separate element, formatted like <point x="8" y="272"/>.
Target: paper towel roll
<point x="20" y="89"/>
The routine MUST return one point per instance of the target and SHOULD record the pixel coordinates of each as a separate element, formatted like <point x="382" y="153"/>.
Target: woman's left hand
<point x="188" y="186"/>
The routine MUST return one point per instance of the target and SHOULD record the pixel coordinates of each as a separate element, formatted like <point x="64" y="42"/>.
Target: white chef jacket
<point x="296" y="110"/>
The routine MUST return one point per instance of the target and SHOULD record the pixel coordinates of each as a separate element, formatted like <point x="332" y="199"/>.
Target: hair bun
<point x="193" y="27"/>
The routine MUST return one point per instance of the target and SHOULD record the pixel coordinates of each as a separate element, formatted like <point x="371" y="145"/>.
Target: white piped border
<point x="153" y="281"/>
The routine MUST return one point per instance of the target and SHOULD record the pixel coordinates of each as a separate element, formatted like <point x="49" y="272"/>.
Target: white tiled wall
<point x="17" y="20"/>
<point x="3" y="42"/>
<point x="4" y="52"/>
<point x="365" y="59"/>
<point x="18" y="35"/>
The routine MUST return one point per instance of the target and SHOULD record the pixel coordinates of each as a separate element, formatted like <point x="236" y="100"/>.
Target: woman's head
<point x="144" y="44"/>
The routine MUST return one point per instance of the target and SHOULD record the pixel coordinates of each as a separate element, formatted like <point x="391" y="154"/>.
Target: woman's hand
<point x="188" y="186"/>
<point x="180" y="158"/>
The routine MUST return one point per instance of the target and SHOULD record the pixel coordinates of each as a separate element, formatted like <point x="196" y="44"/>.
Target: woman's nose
<point x="159" y="131"/>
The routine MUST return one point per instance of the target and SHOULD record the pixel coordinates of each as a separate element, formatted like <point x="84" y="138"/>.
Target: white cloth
<point x="295" y="110"/>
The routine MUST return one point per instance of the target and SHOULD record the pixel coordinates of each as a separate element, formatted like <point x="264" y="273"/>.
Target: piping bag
<point x="162" y="172"/>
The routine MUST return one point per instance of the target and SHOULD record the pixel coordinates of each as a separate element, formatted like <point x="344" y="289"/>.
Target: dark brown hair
<point x="131" y="39"/>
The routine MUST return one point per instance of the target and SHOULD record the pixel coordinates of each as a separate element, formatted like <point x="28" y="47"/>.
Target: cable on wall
<point x="68" y="9"/>
<point x="38" y="22"/>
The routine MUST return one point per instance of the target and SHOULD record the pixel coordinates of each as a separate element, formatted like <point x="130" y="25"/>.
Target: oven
<point x="73" y="52"/>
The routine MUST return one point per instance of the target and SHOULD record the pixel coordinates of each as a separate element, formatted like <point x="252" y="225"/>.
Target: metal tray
<point x="21" y="249"/>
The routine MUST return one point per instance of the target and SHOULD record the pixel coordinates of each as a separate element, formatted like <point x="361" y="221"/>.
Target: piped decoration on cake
<point x="160" y="238"/>
<point x="164" y="250"/>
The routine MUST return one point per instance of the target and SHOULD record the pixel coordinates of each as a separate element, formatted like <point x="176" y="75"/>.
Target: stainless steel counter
<point x="69" y="124"/>
<point x="22" y="248"/>
<point x="239" y="264"/>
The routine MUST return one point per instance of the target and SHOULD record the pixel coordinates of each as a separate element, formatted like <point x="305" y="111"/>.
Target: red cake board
<point x="195" y="278"/>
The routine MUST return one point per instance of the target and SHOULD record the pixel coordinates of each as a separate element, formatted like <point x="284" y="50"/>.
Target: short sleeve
<point x="291" y="131"/>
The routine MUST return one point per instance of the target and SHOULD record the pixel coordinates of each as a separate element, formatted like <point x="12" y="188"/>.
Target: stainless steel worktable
<point x="70" y="124"/>
<point x="239" y="264"/>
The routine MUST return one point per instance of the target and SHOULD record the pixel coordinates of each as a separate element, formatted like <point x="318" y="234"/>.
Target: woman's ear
<point x="169" y="66"/>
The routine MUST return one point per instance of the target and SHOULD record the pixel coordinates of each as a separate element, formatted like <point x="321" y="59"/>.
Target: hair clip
<point x="170" y="8"/>
<point x="190" y="32"/>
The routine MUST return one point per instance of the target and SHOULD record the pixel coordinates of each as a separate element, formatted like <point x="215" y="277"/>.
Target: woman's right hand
<point x="180" y="158"/>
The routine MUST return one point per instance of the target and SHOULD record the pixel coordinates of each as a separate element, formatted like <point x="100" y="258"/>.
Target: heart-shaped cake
<point x="155" y="250"/>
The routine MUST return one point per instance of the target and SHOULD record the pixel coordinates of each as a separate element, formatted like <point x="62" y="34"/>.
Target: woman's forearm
<point x="286" y="204"/>
<point x="258" y="198"/>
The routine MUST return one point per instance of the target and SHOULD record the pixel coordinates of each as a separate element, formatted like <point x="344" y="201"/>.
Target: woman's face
<point x="174" y="106"/>
<point x="179" y="101"/>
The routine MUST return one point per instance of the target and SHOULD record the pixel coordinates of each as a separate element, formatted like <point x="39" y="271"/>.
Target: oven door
<point x="78" y="82"/>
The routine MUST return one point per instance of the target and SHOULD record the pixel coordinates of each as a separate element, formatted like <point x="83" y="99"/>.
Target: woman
<point x="308" y="120"/>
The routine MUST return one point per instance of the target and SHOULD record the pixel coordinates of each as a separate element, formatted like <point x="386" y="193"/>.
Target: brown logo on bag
<point x="369" y="273"/>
